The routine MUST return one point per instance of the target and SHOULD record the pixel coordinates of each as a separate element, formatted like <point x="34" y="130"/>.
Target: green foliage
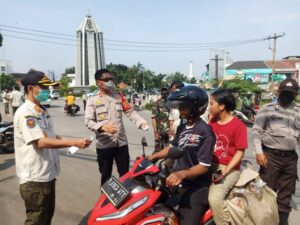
<point x="193" y="80"/>
<point x="148" y="106"/>
<point x="6" y="82"/>
<point x="242" y="86"/>
<point x="93" y="88"/>
<point x="176" y="76"/>
<point x="65" y="81"/>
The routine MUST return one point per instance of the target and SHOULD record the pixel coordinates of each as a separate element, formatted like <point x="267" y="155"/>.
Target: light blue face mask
<point x="42" y="96"/>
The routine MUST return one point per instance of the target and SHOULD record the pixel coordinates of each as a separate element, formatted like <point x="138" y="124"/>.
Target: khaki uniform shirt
<point x="31" y="123"/>
<point x="103" y="109"/>
<point x="277" y="127"/>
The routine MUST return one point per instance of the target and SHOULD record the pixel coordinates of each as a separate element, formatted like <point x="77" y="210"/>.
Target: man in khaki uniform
<point x="37" y="162"/>
<point x="103" y="115"/>
<point x="276" y="134"/>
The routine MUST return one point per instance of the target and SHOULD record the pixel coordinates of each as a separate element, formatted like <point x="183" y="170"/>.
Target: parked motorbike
<point x="249" y="112"/>
<point x="241" y="116"/>
<point x="72" y="109"/>
<point x="7" y="137"/>
<point x="139" y="197"/>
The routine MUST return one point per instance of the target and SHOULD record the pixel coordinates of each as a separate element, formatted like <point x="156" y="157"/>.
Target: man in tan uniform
<point x="276" y="134"/>
<point x="103" y="115"/>
<point x="37" y="162"/>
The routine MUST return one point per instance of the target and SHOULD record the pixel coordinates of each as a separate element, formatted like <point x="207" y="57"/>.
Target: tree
<point x="176" y="76"/>
<point x="1" y="39"/>
<point x="70" y="70"/>
<point x="6" y="81"/>
<point x="193" y="80"/>
<point x="242" y="86"/>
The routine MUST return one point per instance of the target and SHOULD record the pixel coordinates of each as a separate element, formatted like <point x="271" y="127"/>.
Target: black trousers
<point x="281" y="176"/>
<point x="193" y="204"/>
<point x="106" y="157"/>
<point x="39" y="198"/>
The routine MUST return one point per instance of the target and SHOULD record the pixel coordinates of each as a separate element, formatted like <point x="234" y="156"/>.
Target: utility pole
<point x="274" y="37"/>
<point x="217" y="59"/>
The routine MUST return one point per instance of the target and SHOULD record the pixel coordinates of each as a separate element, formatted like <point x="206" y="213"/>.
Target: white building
<point x="90" y="52"/>
<point x="5" y="67"/>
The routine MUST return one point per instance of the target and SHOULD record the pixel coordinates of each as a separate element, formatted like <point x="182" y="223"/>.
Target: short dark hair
<point x="26" y="89"/>
<point x="99" y="73"/>
<point x="225" y="97"/>
<point x="179" y="84"/>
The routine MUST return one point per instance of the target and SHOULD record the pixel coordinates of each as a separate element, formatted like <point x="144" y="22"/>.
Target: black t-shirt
<point x="197" y="142"/>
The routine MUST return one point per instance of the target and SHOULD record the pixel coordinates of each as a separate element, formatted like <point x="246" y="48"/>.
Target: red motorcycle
<point x="139" y="197"/>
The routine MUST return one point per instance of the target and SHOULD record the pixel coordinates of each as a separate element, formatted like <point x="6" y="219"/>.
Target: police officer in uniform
<point x="103" y="115"/>
<point x="276" y="137"/>
<point x="160" y="120"/>
<point x="37" y="162"/>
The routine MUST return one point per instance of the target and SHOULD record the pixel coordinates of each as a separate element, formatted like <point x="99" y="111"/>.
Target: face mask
<point x="110" y="84"/>
<point x="286" y="98"/>
<point x="42" y="96"/>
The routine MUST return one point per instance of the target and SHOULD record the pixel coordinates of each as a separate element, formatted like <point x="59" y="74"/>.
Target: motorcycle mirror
<point x="175" y="153"/>
<point x="144" y="141"/>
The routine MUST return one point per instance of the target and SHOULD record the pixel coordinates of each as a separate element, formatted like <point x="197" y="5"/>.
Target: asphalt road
<point x="78" y="185"/>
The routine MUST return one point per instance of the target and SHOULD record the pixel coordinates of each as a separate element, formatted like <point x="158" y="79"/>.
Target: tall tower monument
<point x="90" y="52"/>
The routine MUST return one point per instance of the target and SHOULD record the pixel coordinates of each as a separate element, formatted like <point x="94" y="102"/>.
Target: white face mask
<point x="110" y="84"/>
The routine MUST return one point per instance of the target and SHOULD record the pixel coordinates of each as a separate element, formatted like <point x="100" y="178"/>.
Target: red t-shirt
<point x="230" y="137"/>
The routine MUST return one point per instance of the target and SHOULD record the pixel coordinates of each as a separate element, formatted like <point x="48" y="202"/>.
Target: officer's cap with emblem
<point x="290" y="85"/>
<point x="37" y="78"/>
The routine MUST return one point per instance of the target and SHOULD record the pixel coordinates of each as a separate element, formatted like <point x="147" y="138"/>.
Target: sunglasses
<point x="106" y="79"/>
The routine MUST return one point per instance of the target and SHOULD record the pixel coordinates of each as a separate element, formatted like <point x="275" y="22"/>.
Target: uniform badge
<point x="98" y="102"/>
<point x="102" y="116"/>
<point x="31" y="123"/>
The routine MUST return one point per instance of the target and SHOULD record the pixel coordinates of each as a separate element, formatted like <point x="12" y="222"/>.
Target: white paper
<point x="73" y="149"/>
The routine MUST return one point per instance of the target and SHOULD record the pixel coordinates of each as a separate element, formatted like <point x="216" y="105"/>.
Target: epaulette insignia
<point x="38" y="109"/>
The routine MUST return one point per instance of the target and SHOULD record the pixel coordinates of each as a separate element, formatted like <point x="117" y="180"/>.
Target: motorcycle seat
<point x="5" y="124"/>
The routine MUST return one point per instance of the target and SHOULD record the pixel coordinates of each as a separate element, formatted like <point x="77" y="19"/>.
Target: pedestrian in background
<point x="84" y="98"/>
<point x="6" y="100"/>
<point x="276" y="137"/>
<point x="103" y="115"/>
<point x="37" y="161"/>
<point x="17" y="99"/>
<point x="174" y="116"/>
<point x="231" y="142"/>
<point x="160" y="120"/>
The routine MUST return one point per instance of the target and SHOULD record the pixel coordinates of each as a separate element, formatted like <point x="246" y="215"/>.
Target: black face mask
<point x="286" y="98"/>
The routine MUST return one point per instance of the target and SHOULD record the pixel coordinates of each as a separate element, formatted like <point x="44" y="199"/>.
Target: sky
<point x="149" y="21"/>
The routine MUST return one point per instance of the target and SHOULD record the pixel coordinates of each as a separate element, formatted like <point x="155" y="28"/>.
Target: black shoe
<point x="284" y="218"/>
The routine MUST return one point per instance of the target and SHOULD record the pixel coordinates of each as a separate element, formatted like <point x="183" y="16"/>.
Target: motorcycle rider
<point x="70" y="101"/>
<point x="276" y="137"/>
<point x="197" y="141"/>
<point x="247" y="106"/>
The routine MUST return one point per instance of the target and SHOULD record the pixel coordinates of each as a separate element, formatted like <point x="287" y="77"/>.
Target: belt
<point x="282" y="153"/>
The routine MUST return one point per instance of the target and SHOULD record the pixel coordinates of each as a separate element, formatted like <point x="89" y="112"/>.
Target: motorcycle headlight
<point x="125" y="211"/>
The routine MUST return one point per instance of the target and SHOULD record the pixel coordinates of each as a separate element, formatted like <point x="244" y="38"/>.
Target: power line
<point x="139" y="42"/>
<point x="128" y="50"/>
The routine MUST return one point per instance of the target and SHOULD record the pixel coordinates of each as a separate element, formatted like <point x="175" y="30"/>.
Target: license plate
<point x="115" y="191"/>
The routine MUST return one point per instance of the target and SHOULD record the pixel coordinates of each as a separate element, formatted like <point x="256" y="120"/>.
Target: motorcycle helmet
<point x="194" y="95"/>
